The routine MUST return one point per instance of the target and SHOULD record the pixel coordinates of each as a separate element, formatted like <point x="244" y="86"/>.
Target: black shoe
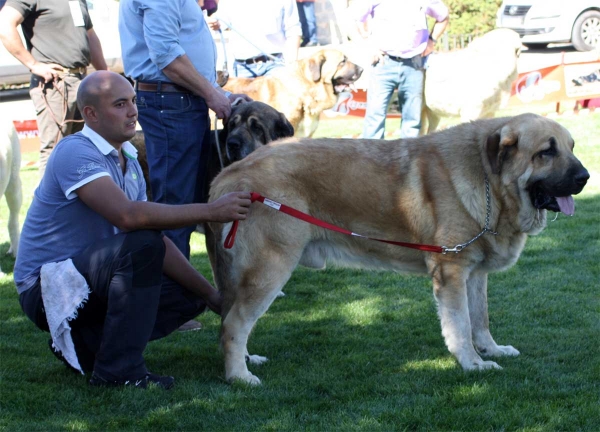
<point x="165" y="382"/>
<point x="59" y="356"/>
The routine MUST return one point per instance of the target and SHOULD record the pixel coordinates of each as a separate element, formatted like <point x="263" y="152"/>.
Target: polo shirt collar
<point x="105" y="148"/>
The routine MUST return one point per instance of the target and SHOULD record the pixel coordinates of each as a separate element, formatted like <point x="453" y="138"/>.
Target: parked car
<point x="105" y="18"/>
<point x="540" y="22"/>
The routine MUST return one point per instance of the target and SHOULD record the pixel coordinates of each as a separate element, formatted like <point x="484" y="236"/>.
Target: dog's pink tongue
<point x="566" y="205"/>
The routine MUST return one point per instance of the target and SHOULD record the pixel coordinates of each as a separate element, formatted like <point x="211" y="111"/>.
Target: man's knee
<point x="147" y="251"/>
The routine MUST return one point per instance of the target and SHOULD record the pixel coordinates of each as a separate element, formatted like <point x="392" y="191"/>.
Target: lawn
<point x="351" y="350"/>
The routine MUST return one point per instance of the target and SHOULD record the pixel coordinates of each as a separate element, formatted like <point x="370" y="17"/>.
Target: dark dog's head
<point x="331" y="66"/>
<point x="251" y="125"/>
<point x="536" y="153"/>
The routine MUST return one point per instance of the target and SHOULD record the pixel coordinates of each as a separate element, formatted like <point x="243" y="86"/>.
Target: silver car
<point x="540" y="22"/>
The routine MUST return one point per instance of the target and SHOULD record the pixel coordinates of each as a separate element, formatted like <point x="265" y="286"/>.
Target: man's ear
<point x="500" y="146"/>
<point x="89" y="114"/>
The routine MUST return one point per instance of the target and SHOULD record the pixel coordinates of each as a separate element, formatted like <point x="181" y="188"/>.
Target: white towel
<point x="64" y="290"/>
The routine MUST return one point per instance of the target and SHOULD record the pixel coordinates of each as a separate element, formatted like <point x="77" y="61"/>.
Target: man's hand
<point x="213" y="24"/>
<point x="48" y="71"/>
<point x="429" y="48"/>
<point x="219" y="103"/>
<point x="230" y="207"/>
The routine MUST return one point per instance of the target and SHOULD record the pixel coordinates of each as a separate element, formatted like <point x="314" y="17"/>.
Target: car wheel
<point x="586" y="31"/>
<point x="536" y="45"/>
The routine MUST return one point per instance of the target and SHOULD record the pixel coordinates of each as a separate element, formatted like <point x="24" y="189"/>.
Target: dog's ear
<point x="500" y="146"/>
<point x="283" y="128"/>
<point x="314" y="66"/>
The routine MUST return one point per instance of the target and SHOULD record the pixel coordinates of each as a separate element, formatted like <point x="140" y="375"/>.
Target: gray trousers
<point x="56" y="111"/>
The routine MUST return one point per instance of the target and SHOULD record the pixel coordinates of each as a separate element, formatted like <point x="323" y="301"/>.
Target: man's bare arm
<point x="181" y="71"/>
<point x="10" y="20"/>
<point x="96" y="54"/>
<point x="108" y="200"/>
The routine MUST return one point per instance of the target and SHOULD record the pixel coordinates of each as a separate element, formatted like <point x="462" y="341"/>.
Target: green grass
<point x="351" y="350"/>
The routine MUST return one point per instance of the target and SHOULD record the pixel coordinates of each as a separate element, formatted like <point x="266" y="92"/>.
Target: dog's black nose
<point x="582" y="177"/>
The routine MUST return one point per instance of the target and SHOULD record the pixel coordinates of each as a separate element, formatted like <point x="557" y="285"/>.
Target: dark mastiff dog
<point x="250" y="126"/>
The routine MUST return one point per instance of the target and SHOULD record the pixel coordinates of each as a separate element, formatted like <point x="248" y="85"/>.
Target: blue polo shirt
<point x="58" y="224"/>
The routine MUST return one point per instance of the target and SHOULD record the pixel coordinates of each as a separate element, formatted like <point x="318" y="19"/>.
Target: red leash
<point x="230" y="240"/>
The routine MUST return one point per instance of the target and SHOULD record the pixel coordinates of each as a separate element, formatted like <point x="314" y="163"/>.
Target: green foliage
<point x="472" y="16"/>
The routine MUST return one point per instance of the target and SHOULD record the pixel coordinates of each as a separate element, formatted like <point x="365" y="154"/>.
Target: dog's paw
<point x="256" y="359"/>
<point x="478" y="365"/>
<point x="280" y="294"/>
<point x="499" y="351"/>
<point x="246" y="378"/>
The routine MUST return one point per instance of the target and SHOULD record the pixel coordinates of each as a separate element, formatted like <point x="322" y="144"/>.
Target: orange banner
<point x="563" y="82"/>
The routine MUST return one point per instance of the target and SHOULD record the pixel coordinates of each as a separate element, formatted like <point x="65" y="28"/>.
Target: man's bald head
<point x="106" y="101"/>
<point x="95" y="86"/>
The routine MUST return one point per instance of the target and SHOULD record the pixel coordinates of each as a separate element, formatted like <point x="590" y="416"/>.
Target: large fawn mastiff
<point x="479" y="188"/>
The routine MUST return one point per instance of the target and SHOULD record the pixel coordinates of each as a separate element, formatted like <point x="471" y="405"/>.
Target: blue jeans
<point x="408" y="77"/>
<point x="306" y="13"/>
<point x="243" y="70"/>
<point x="177" y="130"/>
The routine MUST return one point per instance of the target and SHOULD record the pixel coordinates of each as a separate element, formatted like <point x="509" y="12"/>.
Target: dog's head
<point x="331" y="66"/>
<point x="536" y="154"/>
<point x="251" y="125"/>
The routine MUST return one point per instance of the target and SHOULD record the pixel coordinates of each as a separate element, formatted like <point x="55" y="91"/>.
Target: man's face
<point x="117" y="112"/>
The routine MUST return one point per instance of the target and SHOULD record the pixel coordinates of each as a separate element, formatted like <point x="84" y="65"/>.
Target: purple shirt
<point x="399" y="27"/>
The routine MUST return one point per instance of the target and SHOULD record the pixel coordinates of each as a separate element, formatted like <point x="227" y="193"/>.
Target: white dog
<point x="10" y="181"/>
<point x="471" y="83"/>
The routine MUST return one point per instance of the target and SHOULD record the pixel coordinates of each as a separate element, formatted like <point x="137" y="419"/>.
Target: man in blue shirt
<point x="169" y="52"/>
<point x="90" y="209"/>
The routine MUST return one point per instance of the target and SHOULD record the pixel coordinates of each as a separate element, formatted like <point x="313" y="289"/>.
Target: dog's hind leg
<point x="480" y="324"/>
<point x="258" y="288"/>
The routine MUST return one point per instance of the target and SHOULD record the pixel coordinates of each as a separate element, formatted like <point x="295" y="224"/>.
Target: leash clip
<point x="456" y="249"/>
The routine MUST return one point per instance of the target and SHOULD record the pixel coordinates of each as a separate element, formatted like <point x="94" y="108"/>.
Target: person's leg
<point x="303" y="22"/>
<point x="49" y="102"/>
<point x="382" y="83"/>
<point x="124" y="274"/>
<point x="176" y="128"/>
<point x="410" y="98"/>
<point x="311" y="23"/>
<point x="75" y="120"/>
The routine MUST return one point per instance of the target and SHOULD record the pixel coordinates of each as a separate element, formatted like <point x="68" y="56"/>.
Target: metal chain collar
<point x="486" y="229"/>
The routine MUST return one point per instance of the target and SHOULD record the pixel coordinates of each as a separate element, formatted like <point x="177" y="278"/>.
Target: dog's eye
<point x="550" y="151"/>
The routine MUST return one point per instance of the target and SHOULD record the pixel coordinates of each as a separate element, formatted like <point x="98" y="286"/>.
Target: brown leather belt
<point x="258" y="59"/>
<point x="163" y="87"/>
<point x="78" y="70"/>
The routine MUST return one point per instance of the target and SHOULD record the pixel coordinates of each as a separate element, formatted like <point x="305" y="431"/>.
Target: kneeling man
<point x="93" y="267"/>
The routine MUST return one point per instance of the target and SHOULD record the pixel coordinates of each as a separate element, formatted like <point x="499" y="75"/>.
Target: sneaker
<point x="191" y="325"/>
<point x="59" y="356"/>
<point x="312" y="44"/>
<point x="165" y="382"/>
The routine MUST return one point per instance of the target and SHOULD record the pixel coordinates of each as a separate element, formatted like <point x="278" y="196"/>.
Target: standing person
<point x="61" y="44"/>
<point x="308" y="20"/>
<point x="398" y="32"/>
<point x="169" y="52"/>
<point x="259" y="28"/>
<point x="92" y="261"/>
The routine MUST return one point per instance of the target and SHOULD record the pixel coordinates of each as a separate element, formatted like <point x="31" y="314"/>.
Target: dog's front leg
<point x="450" y="290"/>
<point x="478" y="311"/>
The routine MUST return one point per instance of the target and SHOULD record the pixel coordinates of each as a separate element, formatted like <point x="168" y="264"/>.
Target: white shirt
<point x="260" y="26"/>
